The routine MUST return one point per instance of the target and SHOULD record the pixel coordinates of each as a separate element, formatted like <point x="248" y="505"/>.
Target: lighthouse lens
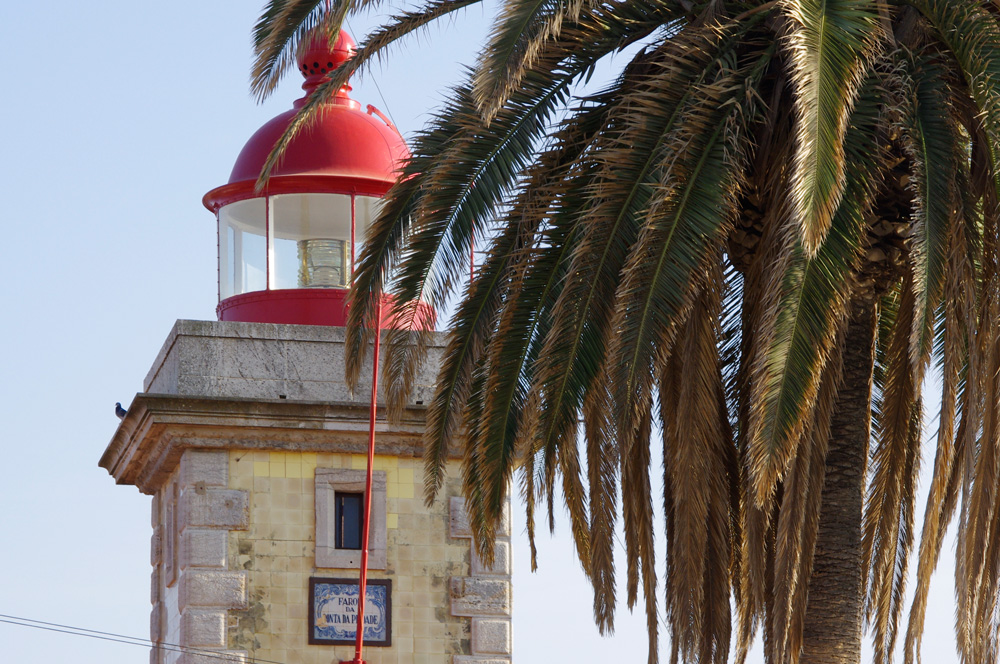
<point x="323" y="263"/>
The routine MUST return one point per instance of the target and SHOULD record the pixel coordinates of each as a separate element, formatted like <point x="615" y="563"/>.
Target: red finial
<point x="318" y="59"/>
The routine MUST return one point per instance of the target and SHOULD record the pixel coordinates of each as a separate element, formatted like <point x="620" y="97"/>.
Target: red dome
<point x="345" y="150"/>
<point x="344" y="142"/>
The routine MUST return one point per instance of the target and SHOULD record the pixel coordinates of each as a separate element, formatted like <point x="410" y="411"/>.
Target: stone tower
<point x="255" y="452"/>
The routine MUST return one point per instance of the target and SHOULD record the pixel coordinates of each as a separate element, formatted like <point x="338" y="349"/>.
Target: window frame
<point x="329" y="482"/>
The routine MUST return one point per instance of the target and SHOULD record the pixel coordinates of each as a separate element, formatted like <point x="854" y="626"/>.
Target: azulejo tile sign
<point x="333" y="611"/>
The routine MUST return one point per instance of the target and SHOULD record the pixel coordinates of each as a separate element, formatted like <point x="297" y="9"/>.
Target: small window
<point x="349" y="523"/>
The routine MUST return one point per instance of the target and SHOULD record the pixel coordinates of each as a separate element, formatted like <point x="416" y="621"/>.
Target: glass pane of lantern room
<point x="366" y="208"/>
<point x="312" y="234"/>
<point x="242" y="248"/>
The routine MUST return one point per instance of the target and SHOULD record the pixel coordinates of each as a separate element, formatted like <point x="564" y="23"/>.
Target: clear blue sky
<point x="117" y="118"/>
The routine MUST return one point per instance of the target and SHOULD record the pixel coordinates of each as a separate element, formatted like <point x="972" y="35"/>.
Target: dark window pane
<point x="349" y="506"/>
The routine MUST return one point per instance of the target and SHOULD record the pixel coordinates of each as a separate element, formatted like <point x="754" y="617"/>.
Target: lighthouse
<point x="256" y="452"/>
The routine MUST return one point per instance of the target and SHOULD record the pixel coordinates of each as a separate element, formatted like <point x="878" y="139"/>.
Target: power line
<point x="374" y="80"/>
<point x="121" y="638"/>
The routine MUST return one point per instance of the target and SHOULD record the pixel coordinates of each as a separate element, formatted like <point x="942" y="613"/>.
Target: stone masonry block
<point x="504" y="529"/>
<point x="479" y="596"/>
<point x="214" y="508"/>
<point x="465" y="659"/>
<point x="154" y="510"/>
<point x="156" y="546"/>
<point x="203" y="548"/>
<point x="459" y="520"/>
<point x="501" y="561"/>
<point x="213" y="589"/>
<point x="156" y="623"/>
<point x="205" y="468"/>
<point x="154" y="586"/>
<point x="214" y="657"/>
<point x="491" y="636"/>
<point x="203" y="628"/>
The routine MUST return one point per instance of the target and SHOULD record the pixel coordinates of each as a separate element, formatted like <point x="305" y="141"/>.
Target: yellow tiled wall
<point x="278" y="553"/>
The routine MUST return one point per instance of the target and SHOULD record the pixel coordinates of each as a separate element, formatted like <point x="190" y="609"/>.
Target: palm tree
<point x="760" y="233"/>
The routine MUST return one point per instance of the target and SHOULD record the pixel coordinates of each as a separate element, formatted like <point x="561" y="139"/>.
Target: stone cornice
<point x="158" y="428"/>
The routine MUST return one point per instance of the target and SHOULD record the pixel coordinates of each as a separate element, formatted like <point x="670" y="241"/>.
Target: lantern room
<point x="287" y="251"/>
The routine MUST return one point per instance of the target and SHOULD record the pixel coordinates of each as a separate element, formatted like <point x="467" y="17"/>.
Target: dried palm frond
<point x="602" y="473"/>
<point x="699" y="464"/>
<point x="942" y="496"/>
<point x="888" y="520"/>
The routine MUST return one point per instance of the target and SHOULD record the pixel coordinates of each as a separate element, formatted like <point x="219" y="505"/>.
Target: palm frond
<point x="888" y="518"/>
<point x="971" y="33"/>
<point x="602" y="469"/>
<point x="625" y="177"/>
<point x="769" y="182"/>
<point x="932" y="145"/>
<point x="637" y="522"/>
<point x="283" y="26"/>
<point x="829" y="44"/>
<point x="812" y="299"/>
<point x="689" y="210"/>
<point x="978" y="602"/>
<point x="940" y="500"/>
<point x="524" y="30"/>
<point x="693" y="209"/>
<point x="549" y="202"/>
<point x="798" y="521"/>
<point x="699" y="459"/>
<point x="454" y="194"/>
<point x="518" y="33"/>
<point x="456" y="177"/>
<point x="468" y="335"/>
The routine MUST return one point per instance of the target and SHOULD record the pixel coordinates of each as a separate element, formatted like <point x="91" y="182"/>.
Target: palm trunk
<point x="832" y="630"/>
